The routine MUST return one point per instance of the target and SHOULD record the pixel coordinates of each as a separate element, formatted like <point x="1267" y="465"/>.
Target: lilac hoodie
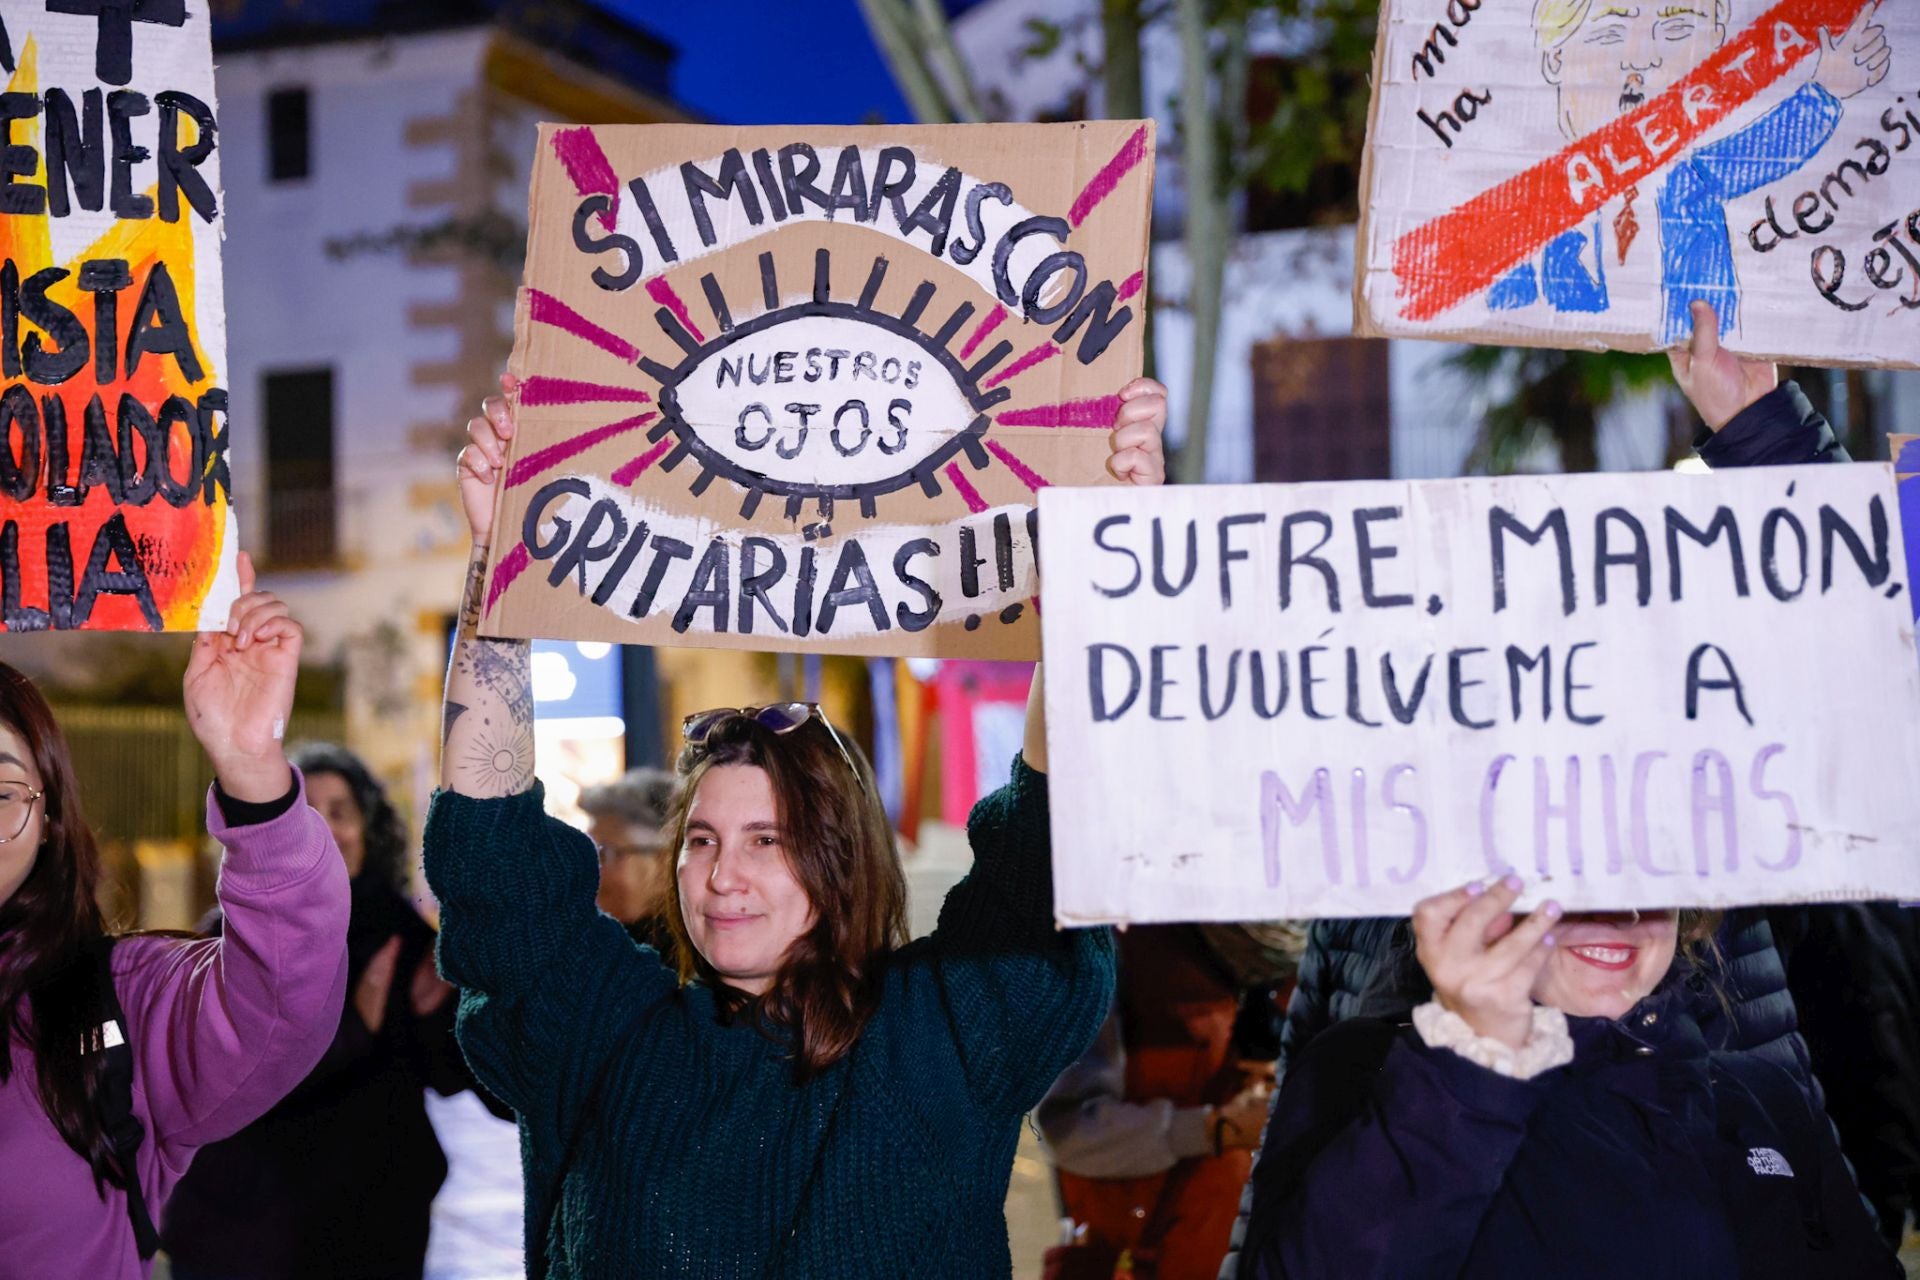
<point x="220" y="1028"/>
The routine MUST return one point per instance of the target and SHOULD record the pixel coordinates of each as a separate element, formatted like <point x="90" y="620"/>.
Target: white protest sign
<point x="1336" y="699"/>
<point x="1574" y="173"/>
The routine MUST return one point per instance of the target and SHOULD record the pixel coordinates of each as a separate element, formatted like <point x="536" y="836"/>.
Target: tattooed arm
<point x="486" y="735"/>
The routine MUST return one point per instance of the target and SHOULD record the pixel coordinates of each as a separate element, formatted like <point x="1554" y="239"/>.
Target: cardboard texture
<point x="1568" y="173"/>
<point x="114" y="485"/>
<point x="796" y="388"/>
<point x="1337" y="699"/>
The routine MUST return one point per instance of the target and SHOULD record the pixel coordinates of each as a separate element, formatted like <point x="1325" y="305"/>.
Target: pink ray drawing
<point x="1040" y="354"/>
<point x="511" y="566"/>
<point x="964" y="487"/>
<point x="592" y="173"/>
<point x="1102" y="184"/>
<point x="987" y="326"/>
<point x="546" y="309"/>
<point x="1027" y="475"/>
<point x="1072" y="413"/>
<point x="538" y="390"/>
<point x="555" y="454"/>
<point x="663" y="293"/>
<point x="1130" y="286"/>
<point x="628" y="472"/>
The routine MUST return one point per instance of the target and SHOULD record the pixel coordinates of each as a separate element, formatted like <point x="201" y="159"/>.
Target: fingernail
<point x="1553" y="910"/>
<point x="1514" y="883"/>
<point x="1547" y="941"/>
<point x="1477" y="888"/>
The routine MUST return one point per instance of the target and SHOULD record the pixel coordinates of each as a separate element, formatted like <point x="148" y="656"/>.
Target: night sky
<point x="772" y="61"/>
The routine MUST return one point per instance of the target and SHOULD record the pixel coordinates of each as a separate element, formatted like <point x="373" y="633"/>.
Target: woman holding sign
<point x="123" y="1060"/>
<point x="1544" y="1104"/>
<point x="1537" y="1096"/>
<point x="798" y="1089"/>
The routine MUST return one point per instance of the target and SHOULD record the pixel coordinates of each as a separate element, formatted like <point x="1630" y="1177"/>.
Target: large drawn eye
<point x="824" y="400"/>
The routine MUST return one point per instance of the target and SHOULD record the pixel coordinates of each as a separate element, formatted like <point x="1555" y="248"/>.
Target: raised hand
<point x="1139" y="452"/>
<point x="1857" y="59"/>
<point x="1481" y="961"/>
<point x="1719" y="383"/>
<point x="239" y="692"/>
<point x="484" y="459"/>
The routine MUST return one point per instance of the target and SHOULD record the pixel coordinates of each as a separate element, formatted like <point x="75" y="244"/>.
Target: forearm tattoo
<point x="489" y="704"/>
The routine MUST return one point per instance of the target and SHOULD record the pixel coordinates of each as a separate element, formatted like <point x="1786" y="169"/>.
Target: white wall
<point x="289" y="305"/>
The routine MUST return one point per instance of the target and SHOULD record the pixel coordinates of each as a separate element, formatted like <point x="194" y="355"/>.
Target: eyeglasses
<point x="16" y="808"/>
<point x="775" y="717"/>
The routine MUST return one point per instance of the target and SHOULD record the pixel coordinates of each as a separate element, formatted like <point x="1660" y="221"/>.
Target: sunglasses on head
<point x="775" y="717"/>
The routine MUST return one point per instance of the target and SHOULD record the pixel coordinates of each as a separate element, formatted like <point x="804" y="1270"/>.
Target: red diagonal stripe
<point x="663" y="293"/>
<point x="1131" y="153"/>
<point x="544" y="308"/>
<point x="538" y="390"/>
<point x="1073" y="413"/>
<point x="592" y="173"/>
<point x="1461" y="253"/>
<point x="555" y="454"/>
<point x="511" y="566"/>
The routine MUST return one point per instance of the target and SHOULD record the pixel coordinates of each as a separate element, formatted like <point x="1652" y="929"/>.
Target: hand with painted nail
<point x="239" y="692"/>
<point x="1139" y="425"/>
<point x="483" y="461"/>
<point x="1482" y="961"/>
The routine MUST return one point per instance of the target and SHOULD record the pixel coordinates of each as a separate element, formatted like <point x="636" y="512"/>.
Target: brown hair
<point x="46" y="928"/>
<point x="840" y="848"/>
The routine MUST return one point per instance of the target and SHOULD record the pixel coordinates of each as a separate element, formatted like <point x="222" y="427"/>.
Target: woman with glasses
<point x="628" y="822"/>
<point x="103" y="1107"/>
<point x="800" y="1090"/>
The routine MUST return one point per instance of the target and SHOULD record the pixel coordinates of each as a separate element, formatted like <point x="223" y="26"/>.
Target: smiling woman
<point x="1552" y="1090"/>
<point x="797" y="1088"/>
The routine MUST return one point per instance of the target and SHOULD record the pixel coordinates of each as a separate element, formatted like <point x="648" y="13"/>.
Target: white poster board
<point x="1336" y="699"/>
<point x="1571" y="173"/>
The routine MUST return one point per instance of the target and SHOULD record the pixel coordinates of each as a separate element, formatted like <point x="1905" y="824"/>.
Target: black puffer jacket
<point x="1854" y="971"/>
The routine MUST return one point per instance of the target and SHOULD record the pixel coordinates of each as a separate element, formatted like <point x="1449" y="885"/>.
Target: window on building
<point x="300" y="504"/>
<point x="1322" y="410"/>
<point x="289" y="135"/>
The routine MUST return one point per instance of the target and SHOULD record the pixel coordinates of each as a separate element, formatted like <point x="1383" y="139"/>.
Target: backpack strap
<point x="122" y="1128"/>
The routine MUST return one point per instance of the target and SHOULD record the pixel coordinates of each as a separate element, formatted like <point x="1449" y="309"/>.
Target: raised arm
<point x="486" y="727"/>
<point x="1752" y="418"/>
<point x="223" y="1029"/>
<point x="548" y="984"/>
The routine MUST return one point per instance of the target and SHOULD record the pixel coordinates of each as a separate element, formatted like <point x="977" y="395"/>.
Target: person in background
<point x="630" y="820"/>
<point x="1152" y="1130"/>
<point x="338" y="1179"/>
<point x="197" y="1036"/>
<point x="1854" y="971"/>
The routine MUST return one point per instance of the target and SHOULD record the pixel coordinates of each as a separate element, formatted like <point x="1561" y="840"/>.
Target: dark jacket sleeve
<point x="1022" y="997"/>
<point x="1383" y="1157"/>
<point x="1780" y="429"/>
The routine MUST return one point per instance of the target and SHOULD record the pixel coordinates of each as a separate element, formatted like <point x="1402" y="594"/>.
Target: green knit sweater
<point x="702" y="1156"/>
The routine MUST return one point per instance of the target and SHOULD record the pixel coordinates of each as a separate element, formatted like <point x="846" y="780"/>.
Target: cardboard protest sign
<point x="1336" y="699"/>
<point x="1576" y="174"/>
<point x="114" y="488"/>
<point x="796" y="388"/>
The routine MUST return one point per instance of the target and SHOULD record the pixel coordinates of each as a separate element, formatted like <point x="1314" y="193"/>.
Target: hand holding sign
<point x="484" y="459"/>
<point x="1719" y="383"/>
<point x="1139" y="452"/>
<point x="1481" y="961"/>
<point x="1855" y="60"/>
